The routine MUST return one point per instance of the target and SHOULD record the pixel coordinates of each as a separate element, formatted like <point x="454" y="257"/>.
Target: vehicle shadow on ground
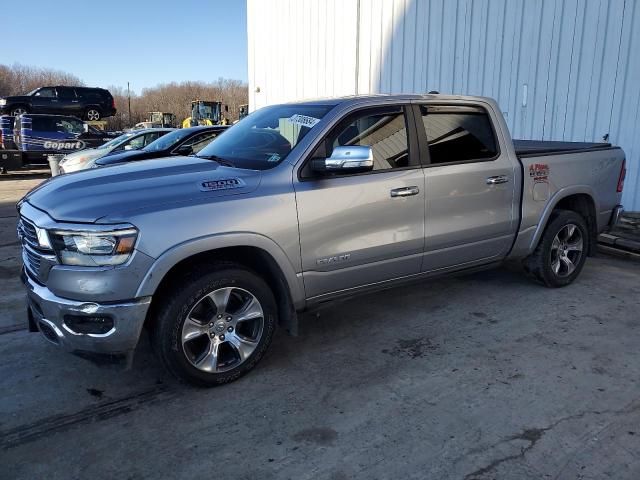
<point x="346" y="323"/>
<point x="26" y="175"/>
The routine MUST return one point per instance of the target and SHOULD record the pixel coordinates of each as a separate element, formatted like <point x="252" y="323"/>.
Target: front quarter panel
<point x="265" y="218"/>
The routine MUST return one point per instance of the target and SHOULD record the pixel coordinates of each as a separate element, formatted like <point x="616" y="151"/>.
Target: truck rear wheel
<point x="215" y="325"/>
<point x="92" y="114"/>
<point x="561" y="254"/>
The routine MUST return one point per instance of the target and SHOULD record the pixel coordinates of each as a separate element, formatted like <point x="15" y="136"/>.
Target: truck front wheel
<point x="19" y="110"/>
<point x="215" y="325"/>
<point x="560" y="256"/>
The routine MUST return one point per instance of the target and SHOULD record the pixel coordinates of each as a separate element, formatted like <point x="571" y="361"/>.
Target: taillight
<point x="113" y="103"/>
<point x="623" y="173"/>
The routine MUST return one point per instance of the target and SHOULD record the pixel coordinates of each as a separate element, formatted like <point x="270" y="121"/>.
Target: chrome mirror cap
<point x="349" y="158"/>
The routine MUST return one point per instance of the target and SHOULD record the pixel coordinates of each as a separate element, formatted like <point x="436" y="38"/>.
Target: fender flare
<point x="165" y="262"/>
<point x="553" y="202"/>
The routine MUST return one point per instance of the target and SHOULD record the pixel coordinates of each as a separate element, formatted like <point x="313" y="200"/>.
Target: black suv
<point x="88" y="103"/>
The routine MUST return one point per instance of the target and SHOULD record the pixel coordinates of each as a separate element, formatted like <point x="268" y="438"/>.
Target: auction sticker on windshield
<point x="304" y="120"/>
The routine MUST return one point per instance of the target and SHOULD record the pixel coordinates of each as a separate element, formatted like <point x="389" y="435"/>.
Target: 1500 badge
<point x="222" y="184"/>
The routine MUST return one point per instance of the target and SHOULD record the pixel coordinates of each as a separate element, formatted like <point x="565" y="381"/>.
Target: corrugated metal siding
<point x="300" y="49"/>
<point x="560" y="69"/>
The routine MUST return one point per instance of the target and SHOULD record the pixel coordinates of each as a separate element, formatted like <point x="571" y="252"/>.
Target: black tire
<point x="179" y="301"/>
<point x="15" y="111"/>
<point x="93" y="114"/>
<point x="540" y="263"/>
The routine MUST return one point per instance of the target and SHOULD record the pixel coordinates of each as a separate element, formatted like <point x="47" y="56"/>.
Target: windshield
<point x="116" y="141"/>
<point x="167" y="141"/>
<point x="265" y="138"/>
<point x="32" y="92"/>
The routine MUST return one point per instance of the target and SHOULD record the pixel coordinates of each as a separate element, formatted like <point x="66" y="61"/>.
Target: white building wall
<point x="560" y="69"/>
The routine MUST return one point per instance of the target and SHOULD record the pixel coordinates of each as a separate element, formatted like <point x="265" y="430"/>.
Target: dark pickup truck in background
<point x="87" y="103"/>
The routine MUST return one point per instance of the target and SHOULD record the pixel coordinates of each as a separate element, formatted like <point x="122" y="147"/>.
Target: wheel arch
<point x="579" y="199"/>
<point x="24" y="105"/>
<point x="92" y="107"/>
<point x="255" y="253"/>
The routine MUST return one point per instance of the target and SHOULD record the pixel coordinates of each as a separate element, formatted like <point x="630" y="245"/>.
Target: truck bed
<point x="525" y="148"/>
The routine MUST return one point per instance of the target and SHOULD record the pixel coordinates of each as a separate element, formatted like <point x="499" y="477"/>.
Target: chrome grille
<point x="32" y="254"/>
<point x="32" y="260"/>
<point x="27" y="232"/>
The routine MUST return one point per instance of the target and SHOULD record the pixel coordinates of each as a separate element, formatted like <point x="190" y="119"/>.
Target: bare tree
<point x="18" y="79"/>
<point x="171" y="97"/>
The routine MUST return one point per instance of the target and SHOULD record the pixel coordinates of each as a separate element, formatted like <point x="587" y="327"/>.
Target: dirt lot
<point x="478" y="377"/>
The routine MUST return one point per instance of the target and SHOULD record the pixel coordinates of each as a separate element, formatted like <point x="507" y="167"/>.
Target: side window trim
<point x="423" y="141"/>
<point x="412" y="141"/>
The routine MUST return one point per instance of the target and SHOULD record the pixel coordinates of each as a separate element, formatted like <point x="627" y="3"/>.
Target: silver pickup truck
<point x="296" y="205"/>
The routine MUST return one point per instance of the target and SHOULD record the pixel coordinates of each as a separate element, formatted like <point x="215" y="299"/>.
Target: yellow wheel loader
<point x="205" y="113"/>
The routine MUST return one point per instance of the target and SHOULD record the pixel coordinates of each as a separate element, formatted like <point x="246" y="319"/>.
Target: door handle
<point x="405" y="191"/>
<point x="497" y="179"/>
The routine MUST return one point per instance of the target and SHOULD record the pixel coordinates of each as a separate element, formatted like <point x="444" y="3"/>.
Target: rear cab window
<point x="458" y="134"/>
<point x="56" y="124"/>
<point x="45" y="124"/>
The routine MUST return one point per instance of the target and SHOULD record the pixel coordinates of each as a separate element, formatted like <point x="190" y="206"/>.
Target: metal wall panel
<point x="560" y="69"/>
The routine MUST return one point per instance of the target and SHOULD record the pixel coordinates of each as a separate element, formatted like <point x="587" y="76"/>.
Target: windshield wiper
<point x="218" y="159"/>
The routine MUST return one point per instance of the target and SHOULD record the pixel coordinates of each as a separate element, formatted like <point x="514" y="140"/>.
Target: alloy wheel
<point x="566" y="250"/>
<point x="222" y="329"/>
<point x="93" y="115"/>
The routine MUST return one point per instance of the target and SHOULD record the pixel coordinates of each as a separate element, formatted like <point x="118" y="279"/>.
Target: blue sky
<point x="144" y="42"/>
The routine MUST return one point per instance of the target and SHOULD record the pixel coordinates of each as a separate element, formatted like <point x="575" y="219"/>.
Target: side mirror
<point x="185" y="150"/>
<point x="350" y="159"/>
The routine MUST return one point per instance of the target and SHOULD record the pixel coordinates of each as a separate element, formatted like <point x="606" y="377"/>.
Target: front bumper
<point x="47" y="312"/>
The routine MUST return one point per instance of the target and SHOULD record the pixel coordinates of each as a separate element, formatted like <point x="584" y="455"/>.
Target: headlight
<point x="3" y="102"/>
<point x="93" y="249"/>
<point x="73" y="161"/>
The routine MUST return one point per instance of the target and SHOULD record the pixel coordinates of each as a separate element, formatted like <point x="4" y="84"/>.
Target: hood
<point x="13" y="98"/>
<point x="84" y="155"/>
<point x="109" y="193"/>
<point x="127" y="156"/>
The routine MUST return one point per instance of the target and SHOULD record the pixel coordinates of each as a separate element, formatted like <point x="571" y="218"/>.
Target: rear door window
<point x="458" y="134"/>
<point x="151" y="137"/>
<point x="198" y="142"/>
<point x="66" y="93"/>
<point x="137" y="142"/>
